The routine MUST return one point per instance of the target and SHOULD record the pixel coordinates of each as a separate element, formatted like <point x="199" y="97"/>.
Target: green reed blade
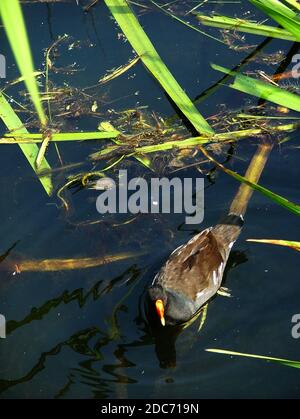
<point x="246" y="26"/>
<point x="292" y="244"/>
<point x="278" y="199"/>
<point x="149" y="56"/>
<point x="13" y="123"/>
<point x="286" y="362"/>
<point x="282" y="14"/>
<point x="17" y="137"/>
<point x="14" y="25"/>
<point x="262" y="89"/>
<point x="294" y="4"/>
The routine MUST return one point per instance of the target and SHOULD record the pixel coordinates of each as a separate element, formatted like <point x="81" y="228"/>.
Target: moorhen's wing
<point x="195" y="269"/>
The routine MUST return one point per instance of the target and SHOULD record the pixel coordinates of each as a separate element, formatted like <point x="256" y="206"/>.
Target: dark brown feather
<point x="189" y="270"/>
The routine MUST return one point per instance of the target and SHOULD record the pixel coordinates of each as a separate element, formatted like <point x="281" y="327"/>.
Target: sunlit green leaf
<point x="13" y="123"/>
<point x="292" y="207"/>
<point x="262" y="89"/>
<point x="14" y="25"/>
<point x="61" y="136"/>
<point x="282" y="14"/>
<point x="287" y="243"/>
<point x="242" y="25"/>
<point x="151" y="59"/>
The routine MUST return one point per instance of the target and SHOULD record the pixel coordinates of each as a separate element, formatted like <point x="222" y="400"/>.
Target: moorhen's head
<point x="159" y="300"/>
<point x="170" y="307"/>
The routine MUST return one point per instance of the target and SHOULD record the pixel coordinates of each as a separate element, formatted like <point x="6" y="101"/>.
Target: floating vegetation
<point x="118" y="71"/>
<point x="81" y="180"/>
<point x="134" y="135"/>
<point x="235" y="41"/>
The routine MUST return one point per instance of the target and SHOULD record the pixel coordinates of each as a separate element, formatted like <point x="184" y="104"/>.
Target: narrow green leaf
<point x="246" y="26"/>
<point x="292" y="207"/>
<point x="277" y="6"/>
<point x="262" y="89"/>
<point x="14" y="25"/>
<point x="266" y="117"/>
<point x="286" y="362"/>
<point x="62" y="136"/>
<point x="294" y="4"/>
<point x="287" y="243"/>
<point x="145" y="49"/>
<point x="13" y="123"/>
<point x="282" y="14"/>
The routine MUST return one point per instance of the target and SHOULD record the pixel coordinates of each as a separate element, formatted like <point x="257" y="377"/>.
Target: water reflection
<point x="82" y="341"/>
<point x="105" y="378"/>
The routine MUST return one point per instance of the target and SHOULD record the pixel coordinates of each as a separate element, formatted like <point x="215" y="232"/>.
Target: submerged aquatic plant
<point x="54" y="265"/>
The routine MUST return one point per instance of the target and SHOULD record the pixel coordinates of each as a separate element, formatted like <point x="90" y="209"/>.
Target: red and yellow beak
<point x="160" y="309"/>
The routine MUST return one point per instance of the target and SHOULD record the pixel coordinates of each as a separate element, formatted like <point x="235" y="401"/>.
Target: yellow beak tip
<point x="160" y="311"/>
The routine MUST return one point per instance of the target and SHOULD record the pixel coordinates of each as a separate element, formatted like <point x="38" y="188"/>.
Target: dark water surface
<point x="83" y="333"/>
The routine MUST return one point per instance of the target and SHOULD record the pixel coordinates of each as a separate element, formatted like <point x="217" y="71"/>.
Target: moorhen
<point x="193" y="273"/>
